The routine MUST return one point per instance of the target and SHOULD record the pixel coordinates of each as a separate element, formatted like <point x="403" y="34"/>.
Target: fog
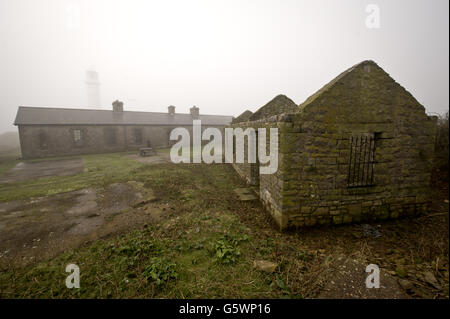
<point x="222" y="56"/>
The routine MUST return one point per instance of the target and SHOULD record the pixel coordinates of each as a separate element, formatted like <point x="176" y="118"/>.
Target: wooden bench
<point x="147" y="151"/>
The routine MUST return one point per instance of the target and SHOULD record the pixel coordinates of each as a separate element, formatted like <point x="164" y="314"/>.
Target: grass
<point x="202" y="250"/>
<point x="100" y="170"/>
<point x="207" y="242"/>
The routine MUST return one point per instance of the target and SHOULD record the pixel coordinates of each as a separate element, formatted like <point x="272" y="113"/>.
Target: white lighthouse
<point x="93" y="89"/>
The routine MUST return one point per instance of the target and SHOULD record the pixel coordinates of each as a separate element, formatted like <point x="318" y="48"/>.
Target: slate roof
<point x="63" y="116"/>
<point x="278" y="105"/>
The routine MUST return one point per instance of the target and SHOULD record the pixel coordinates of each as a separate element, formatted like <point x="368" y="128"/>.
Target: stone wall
<point x="270" y="186"/>
<point x="60" y="139"/>
<point x="311" y="185"/>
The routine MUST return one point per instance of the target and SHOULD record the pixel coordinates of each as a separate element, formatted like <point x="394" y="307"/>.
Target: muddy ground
<point x="40" y="228"/>
<point x="45" y="168"/>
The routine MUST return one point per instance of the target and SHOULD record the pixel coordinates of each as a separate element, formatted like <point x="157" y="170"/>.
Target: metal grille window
<point x="361" y="161"/>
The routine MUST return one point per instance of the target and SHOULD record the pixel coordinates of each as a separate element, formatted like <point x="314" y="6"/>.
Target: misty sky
<point x="222" y="56"/>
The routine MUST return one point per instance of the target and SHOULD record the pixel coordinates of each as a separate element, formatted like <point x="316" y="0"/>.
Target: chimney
<point x="171" y="109"/>
<point x="117" y="106"/>
<point x="195" y="112"/>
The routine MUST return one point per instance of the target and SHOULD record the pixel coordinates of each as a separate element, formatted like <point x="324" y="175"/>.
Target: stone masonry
<point x="360" y="149"/>
<point x="45" y="132"/>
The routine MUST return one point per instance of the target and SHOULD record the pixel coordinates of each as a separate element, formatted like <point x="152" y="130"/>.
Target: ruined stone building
<point x="60" y="131"/>
<point x="243" y="117"/>
<point x="359" y="149"/>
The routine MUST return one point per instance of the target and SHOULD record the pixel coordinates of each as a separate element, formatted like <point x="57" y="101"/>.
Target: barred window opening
<point x="361" y="160"/>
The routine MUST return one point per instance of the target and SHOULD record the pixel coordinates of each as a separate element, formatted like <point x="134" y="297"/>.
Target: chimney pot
<point x="117" y="106"/>
<point x="195" y="112"/>
<point x="171" y="109"/>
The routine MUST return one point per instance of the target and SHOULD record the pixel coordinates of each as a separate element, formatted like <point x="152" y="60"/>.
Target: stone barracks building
<point x="359" y="149"/>
<point x="59" y="131"/>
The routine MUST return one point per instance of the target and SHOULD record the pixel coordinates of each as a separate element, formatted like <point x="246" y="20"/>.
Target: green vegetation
<point x="202" y="249"/>
<point x="226" y="250"/>
<point x="160" y="271"/>
<point x="206" y="244"/>
<point x="100" y="170"/>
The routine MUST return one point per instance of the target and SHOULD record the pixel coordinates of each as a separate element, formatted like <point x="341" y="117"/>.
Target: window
<point x="109" y="134"/>
<point x="361" y="160"/>
<point x="43" y="142"/>
<point x="138" y="136"/>
<point x="77" y="136"/>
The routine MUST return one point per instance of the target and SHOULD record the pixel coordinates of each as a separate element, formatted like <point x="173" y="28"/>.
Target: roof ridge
<point x="331" y="83"/>
<point x="259" y="111"/>
<point x="79" y="109"/>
